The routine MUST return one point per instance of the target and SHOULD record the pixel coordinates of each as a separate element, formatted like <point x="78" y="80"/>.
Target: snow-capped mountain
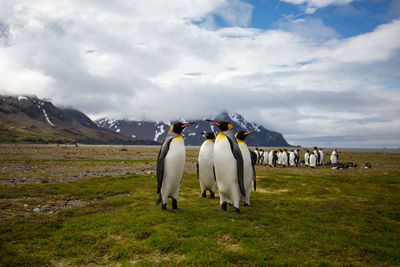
<point x="192" y="135"/>
<point x="33" y="120"/>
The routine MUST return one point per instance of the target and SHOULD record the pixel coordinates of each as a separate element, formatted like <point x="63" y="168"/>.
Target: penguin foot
<point x="246" y="204"/>
<point x="164" y="208"/>
<point x="212" y="195"/>
<point x="159" y="199"/>
<point x="223" y="207"/>
<point x="175" y="204"/>
<point x="169" y="211"/>
<point x="236" y="211"/>
<point x="204" y="194"/>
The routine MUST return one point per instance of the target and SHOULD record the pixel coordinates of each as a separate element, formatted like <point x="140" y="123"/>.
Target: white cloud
<point x="163" y="60"/>
<point x="313" y="5"/>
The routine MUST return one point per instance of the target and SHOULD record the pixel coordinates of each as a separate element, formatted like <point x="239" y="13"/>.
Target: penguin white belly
<point x="206" y="165"/>
<point x="284" y="160"/>
<point x="265" y="162"/>
<point x="333" y="159"/>
<point x="313" y="161"/>
<point x="247" y="171"/>
<point x="291" y="159"/>
<point x="270" y="158"/>
<point x="322" y="157"/>
<point x="174" y="165"/>
<point x="307" y="159"/>
<point x="226" y="171"/>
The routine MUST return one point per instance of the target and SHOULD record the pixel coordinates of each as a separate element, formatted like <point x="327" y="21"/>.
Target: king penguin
<point x="249" y="172"/>
<point x="228" y="164"/>
<point x="170" y="165"/>
<point x="292" y="159"/>
<point x="321" y="156"/>
<point x="307" y="158"/>
<point x="313" y="160"/>
<point x="334" y="157"/>
<point x="205" y="166"/>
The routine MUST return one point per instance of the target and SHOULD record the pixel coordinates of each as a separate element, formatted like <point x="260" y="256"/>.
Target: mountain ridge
<point x="157" y="130"/>
<point x="28" y="119"/>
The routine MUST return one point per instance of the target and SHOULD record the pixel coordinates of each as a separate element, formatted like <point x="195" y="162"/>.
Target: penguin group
<point x="291" y="158"/>
<point x="276" y="157"/>
<point x="224" y="162"/>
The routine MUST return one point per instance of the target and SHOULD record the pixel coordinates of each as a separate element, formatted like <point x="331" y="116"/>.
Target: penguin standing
<point x="313" y="160"/>
<point x="285" y="158"/>
<point x="261" y="159"/>
<point x="270" y="158"/>
<point x="273" y="158"/>
<point x="170" y="165"/>
<point x="257" y="152"/>
<point x="317" y="155"/>
<point x="279" y="155"/>
<point x="334" y="157"/>
<point x="292" y="158"/>
<point x="307" y="158"/>
<point x="205" y="166"/>
<point x="297" y="157"/>
<point x="265" y="156"/>
<point x="249" y="173"/>
<point x="228" y="164"/>
<point x="321" y="156"/>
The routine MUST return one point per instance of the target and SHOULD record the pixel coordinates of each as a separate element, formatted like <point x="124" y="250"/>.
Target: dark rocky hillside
<point x="32" y="120"/>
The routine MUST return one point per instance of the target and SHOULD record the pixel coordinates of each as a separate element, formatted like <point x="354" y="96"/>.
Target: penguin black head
<point x="241" y="135"/>
<point x="222" y="125"/>
<point x="209" y="135"/>
<point x="179" y="126"/>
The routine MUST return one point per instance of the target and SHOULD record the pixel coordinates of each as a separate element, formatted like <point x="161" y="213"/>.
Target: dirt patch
<point x="261" y="190"/>
<point x="11" y="208"/>
<point x="228" y="242"/>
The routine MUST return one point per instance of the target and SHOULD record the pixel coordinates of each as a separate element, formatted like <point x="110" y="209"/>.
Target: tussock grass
<point x="297" y="217"/>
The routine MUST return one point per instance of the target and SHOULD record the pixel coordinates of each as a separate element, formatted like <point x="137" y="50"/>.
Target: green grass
<point x="295" y="219"/>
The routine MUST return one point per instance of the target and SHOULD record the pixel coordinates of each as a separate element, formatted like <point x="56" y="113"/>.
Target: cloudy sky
<point x="321" y="72"/>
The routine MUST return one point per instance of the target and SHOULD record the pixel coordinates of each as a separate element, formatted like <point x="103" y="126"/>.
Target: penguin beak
<point x="187" y="124"/>
<point x="214" y="122"/>
<point x="247" y="133"/>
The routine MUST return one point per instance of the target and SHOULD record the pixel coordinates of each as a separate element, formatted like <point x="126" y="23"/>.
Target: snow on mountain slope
<point x="192" y="135"/>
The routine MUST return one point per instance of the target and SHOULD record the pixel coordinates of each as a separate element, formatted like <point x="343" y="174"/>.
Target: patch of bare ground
<point x="11" y="208"/>
<point x="158" y="257"/>
<point x="261" y="190"/>
<point x="229" y="242"/>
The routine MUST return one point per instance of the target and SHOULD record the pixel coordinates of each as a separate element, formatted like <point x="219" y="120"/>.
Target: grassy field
<point x="95" y="205"/>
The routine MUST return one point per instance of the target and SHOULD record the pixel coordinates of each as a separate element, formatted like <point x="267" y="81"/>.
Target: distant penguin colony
<point x="226" y="163"/>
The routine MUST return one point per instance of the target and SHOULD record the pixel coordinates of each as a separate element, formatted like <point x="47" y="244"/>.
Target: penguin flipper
<point x="197" y="165"/>
<point x="214" y="173"/>
<point x="237" y="154"/>
<point x="254" y="179"/>
<point x="160" y="162"/>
